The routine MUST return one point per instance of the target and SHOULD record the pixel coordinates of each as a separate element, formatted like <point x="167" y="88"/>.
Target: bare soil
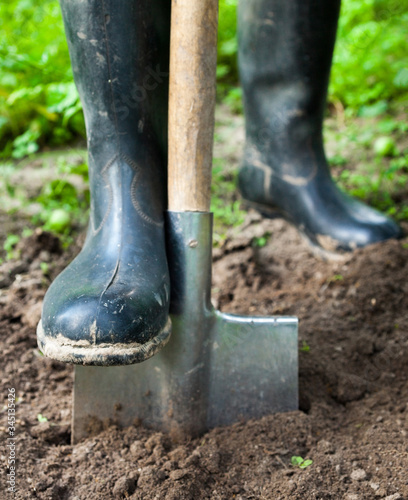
<point x="353" y="416"/>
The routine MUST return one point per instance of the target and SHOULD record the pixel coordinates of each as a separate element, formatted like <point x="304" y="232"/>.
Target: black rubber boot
<point x="110" y="306"/>
<point x="285" y="54"/>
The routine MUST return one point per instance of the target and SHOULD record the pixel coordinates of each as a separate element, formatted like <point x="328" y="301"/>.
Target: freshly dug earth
<point x="353" y="417"/>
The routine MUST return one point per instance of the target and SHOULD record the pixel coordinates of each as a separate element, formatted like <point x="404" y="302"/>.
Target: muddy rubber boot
<point x="285" y="54"/>
<point x="110" y="305"/>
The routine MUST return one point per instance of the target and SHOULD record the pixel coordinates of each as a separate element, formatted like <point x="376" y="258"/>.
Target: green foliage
<point x="63" y="206"/>
<point x="375" y="149"/>
<point x="300" y="462"/>
<point x="305" y="347"/>
<point x="385" y="146"/>
<point x="224" y="202"/>
<point x="261" y="241"/>
<point x="382" y="188"/>
<point x="25" y="143"/>
<point x="45" y="268"/>
<point x="39" y="103"/>
<point x="38" y="100"/>
<point x="370" y="60"/>
<point x="227" y="62"/>
<point x="9" y="245"/>
<point x="376" y="191"/>
<point x="58" y="220"/>
<point x="60" y="206"/>
<point x="336" y="277"/>
<point x="227" y="68"/>
<point x="233" y="99"/>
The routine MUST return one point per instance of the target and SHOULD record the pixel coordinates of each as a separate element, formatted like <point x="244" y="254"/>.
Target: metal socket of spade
<point x="216" y="369"/>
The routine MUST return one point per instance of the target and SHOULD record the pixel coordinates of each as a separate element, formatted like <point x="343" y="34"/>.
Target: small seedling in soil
<point x="45" y="268"/>
<point x="261" y="241"/>
<point x="300" y="462"/>
<point x="305" y="347"/>
<point x="9" y="245"/>
<point x="336" y="277"/>
<point x="41" y="418"/>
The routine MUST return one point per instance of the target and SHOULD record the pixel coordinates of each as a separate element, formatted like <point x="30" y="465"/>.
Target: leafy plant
<point x="224" y="202"/>
<point x="369" y="160"/>
<point x="305" y="347"/>
<point x="227" y="68"/>
<point x="336" y="277"/>
<point x="10" y="244"/>
<point x="385" y="146"/>
<point x="61" y="206"/>
<point x="261" y="241"/>
<point x="300" y="462"/>
<point x="25" y="143"/>
<point x="38" y="100"/>
<point x="45" y="268"/>
<point x="370" y="59"/>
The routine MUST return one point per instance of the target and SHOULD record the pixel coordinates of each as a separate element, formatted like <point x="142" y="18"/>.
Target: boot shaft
<point x="285" y="55"/>
<point x="120" y="54"/>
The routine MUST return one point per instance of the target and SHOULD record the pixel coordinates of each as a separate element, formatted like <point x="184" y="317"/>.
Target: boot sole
<point x="83" y="353"/>
<point x="275" y="213"/>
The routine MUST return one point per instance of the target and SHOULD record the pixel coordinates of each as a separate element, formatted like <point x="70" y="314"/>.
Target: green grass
<point x="378" y="179"/>
<point x="59" y="204"/>
<point x="224" y="201"/>
<point x="370" y="65"/>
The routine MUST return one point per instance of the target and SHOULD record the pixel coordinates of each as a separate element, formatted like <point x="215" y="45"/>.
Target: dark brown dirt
<point x="353" y="419"/>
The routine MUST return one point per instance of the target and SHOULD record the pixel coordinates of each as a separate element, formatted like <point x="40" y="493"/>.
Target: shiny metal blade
<point x="217" y="368"/>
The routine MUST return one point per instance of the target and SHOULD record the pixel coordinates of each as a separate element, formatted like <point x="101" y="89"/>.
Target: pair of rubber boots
<point x="111" y="305"/>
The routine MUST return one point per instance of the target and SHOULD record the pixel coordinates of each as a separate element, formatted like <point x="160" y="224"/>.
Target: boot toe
<point x="107" y="327"/>
<point x="351" y="233"/>
<point x="387" y="230"/>
<point x="365" y="225"/>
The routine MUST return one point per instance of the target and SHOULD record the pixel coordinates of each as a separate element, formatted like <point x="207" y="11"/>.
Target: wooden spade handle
<point x="193" y="60"/>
